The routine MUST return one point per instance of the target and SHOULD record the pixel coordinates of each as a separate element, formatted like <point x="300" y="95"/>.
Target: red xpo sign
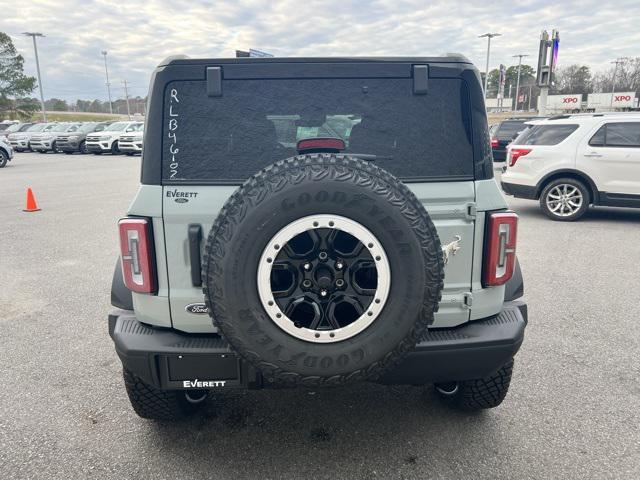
<point x="622" y="98"/>
<point x="569" y="100"/>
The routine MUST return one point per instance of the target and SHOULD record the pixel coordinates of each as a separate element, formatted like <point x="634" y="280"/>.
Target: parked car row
<point x="81" y="137"/>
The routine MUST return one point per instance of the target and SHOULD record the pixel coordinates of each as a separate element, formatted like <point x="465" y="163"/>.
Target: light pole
<point x="33" y="35"/>
<point x="106" y="71"/>
<point x="613" y="80"/>
<point x="520" y="55"/>
<point x="486" y="75"/>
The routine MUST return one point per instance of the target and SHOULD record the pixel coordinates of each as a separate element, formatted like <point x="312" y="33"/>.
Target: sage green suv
<point x="316" y="222"/>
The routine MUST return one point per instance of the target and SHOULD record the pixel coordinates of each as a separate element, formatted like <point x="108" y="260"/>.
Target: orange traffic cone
<point x="32" y="206"/>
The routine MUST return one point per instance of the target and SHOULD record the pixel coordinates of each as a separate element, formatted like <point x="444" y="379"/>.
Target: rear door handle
<point x="593" y="154"/>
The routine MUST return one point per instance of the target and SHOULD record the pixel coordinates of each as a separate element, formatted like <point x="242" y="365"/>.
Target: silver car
<point x="46" y="141"/>
<point x="20" y="140"/>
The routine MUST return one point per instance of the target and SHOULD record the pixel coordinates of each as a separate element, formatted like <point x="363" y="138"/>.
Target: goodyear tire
<point x="154" y="404"/>
<point x="322" y="270"/>
<point x="478" y="394"/>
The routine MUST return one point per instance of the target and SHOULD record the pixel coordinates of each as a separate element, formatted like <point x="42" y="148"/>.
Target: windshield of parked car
<point x="61" y="127"/>
<point x="38" y="127"/>
<point x="13" y="128"/>
<point x="116" y="127"/>
<point x="87" y="127"/>
<point x="135" y="128"/>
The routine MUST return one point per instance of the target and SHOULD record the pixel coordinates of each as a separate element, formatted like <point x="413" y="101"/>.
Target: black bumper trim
<point x="519" y="191"/>
<point x="473" y="350"/>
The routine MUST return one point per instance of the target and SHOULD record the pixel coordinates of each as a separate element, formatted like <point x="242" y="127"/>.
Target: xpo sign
<point x="604" y="101"/>
<point x="564" y="103"/>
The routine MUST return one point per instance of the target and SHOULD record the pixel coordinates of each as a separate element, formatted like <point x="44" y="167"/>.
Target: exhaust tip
<point x="447" y="389"/>
<point x="196" y="396"/>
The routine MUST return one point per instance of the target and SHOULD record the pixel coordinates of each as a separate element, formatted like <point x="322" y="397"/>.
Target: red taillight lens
<point x="500" y="248"/>
<point x="136" y="254"/>
<point x="516" y="153"/>
<point x="494" y="143"/>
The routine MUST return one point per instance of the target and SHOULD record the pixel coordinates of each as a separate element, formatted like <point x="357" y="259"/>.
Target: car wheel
<point x="83" y="147"/>
<point x="565" y="199"/>
<point x="114" y="148"/>
<point x="4" y="158"/>
<point x="54" y="148"/>
<point x="478" y="394"/>
<point x="298" y="267"/>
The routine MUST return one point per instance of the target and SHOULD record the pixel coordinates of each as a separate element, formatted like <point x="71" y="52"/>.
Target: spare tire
<point x="322" y="269"/>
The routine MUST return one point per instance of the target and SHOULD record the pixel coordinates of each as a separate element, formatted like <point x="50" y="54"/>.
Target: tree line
<point x="570" y="79"/>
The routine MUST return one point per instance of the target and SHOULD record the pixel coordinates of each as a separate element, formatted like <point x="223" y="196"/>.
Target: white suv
<point x="571" y="161"/>
<point x="107" y="140"/>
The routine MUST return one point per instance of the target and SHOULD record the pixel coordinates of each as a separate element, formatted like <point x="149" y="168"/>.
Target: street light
<point x="106" y="71"/>
<point x="33" y="35"/>
<point x="520" y="55"/>
<point x="613" y="80"/>
<point x="486" y="75"/>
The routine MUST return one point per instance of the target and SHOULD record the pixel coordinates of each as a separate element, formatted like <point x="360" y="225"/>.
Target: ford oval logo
<point x="181" y="200"/>
<point x="197" y="308"/>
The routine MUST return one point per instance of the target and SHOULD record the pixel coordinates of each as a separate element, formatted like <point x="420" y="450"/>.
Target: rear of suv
<point x="316" y="222"/>
<point x="504" y="133"/>
<point x="569" y="162"/>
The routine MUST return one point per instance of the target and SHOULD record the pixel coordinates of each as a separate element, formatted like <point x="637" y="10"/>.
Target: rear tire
<point x="4" y="158"/>
<point x="478" y="394"/>
<point x="83" y="147"/>
<point x="155" y="404"/>
<point x="565" y="199"/>
<point x="114" y="148"/>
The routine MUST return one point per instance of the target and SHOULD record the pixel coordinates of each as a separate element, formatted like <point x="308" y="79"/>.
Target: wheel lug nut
<point x="323" y="293"/>
<point x="322" y="256"/>
<point x="307" y="266"/>
<point x="339" y="265"/>
<point x="339" y="282"/>
<point x="306" y="283"/>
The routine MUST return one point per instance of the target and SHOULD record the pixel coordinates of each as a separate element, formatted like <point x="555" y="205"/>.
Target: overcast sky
<point x="137" y="35"/>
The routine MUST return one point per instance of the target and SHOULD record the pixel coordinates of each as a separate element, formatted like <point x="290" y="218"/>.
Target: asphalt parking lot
<point x="572" y="411"/>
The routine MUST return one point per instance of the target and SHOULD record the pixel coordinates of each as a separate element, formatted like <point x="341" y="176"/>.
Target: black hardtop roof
<point x="185" y="60"/>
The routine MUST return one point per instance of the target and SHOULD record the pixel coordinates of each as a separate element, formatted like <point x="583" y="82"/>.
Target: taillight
<point x="516" y="153"/>
<point x="136" y="254"/>
<point x="494" y="143"/>
<point x="499" y="248"/>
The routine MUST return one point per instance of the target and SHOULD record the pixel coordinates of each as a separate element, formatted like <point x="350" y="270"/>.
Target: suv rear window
<point x="226" y="139"/>
<point x="545" y="134"/>
<point x="509" y="129"/>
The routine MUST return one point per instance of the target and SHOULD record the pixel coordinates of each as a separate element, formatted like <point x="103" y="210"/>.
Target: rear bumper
<point x="519" y="191"/>
<point x="169" y="359"/>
